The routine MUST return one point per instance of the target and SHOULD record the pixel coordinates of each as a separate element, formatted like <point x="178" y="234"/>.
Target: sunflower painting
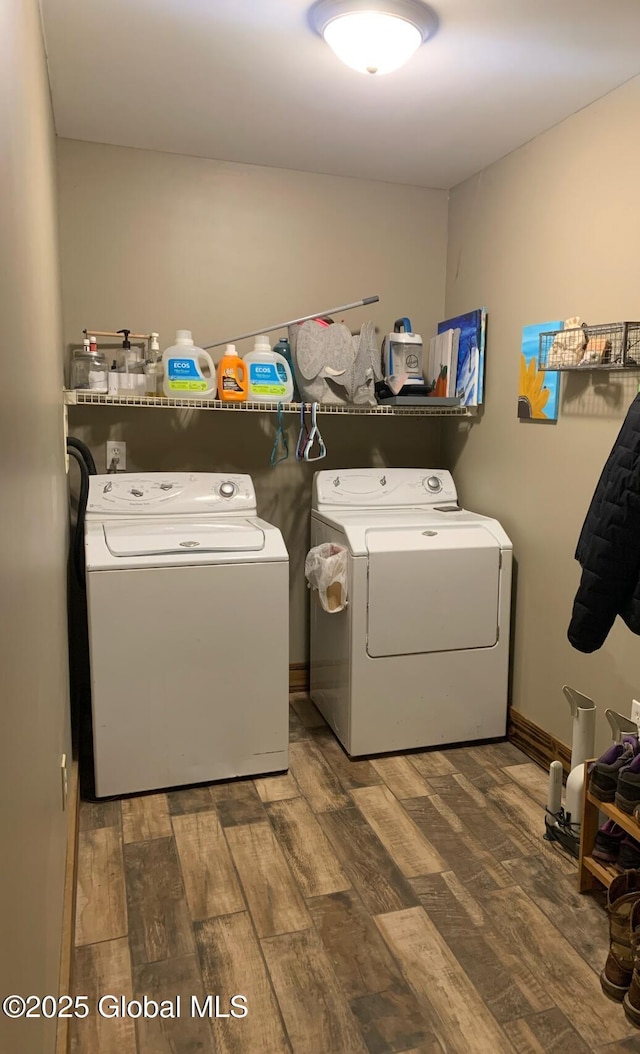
<point x="539" y="391"/>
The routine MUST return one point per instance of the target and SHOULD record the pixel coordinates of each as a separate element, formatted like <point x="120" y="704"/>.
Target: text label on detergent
<point x="183" y="376"/>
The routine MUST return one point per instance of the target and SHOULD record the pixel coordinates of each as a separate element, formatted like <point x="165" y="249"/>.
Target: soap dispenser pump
<point x="126" y="343"/>
<point x="128" y="355"/>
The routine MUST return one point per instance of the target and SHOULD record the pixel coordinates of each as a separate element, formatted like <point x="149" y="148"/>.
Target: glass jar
<point x="153" y="376"/>
<point x="89" y="371"/>
<point x="133" y="379"/>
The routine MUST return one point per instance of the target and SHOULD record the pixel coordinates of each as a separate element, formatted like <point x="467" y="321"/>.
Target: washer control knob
<point x="227" y="489"/>
<point x="434" y="484"/>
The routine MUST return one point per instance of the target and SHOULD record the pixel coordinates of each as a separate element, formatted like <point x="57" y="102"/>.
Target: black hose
<point x="82" y="454"/>
<point x="77" y="544"/>
<point x="82" y="448"/>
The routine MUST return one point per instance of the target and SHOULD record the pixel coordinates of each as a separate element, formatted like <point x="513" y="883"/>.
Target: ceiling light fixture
<point x="373" y="36"/>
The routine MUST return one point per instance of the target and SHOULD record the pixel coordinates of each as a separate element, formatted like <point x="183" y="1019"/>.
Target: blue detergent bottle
<point x="284" y="348"/>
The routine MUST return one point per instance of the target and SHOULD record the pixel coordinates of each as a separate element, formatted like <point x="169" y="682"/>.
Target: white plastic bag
<point x="326" y="571"/>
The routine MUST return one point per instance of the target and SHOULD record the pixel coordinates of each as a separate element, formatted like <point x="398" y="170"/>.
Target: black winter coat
<point x="609" y="545"/>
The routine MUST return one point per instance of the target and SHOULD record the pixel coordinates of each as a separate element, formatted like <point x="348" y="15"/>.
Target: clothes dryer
<point x="420" y="655"/>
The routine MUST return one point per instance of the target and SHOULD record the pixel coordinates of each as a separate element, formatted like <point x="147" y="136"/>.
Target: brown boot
<point x="632" y="998"/>
<point x="623" y="895"/>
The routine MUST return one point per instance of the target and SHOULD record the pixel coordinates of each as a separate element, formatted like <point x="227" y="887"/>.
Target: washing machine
<point x="188" y="609"/>
<point x="419" y="657"/>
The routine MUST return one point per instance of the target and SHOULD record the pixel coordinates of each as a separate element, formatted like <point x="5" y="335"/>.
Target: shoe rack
<point x="593" y="874"/>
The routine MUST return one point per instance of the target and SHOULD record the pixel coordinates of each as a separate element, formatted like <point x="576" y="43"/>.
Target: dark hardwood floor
<point x="405" y="904"/>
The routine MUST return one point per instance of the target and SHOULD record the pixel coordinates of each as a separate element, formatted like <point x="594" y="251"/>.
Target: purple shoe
<point x="627" y="794"/>
<point x="603" y="774"/>
<point x="608" y="841"/>
<point x="629" y="856"/>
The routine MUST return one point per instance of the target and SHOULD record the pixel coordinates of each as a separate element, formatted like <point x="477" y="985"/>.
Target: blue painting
<point x="539" y="391"/>
<point x="471" y="349"/>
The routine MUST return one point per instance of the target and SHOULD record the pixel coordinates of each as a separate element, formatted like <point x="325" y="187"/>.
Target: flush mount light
<point x="373" y="36"/>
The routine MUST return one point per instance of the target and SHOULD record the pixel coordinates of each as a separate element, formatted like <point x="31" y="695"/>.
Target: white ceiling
<point x="247" y="80"/>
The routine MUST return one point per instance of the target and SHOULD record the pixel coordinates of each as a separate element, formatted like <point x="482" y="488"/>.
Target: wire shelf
<point x="82" y="398"/>
<point x="607" y="346"/>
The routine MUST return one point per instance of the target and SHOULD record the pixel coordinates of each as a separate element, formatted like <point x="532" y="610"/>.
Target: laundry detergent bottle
<point x="270" y="379"/>
<point x="284" y="348"/>
<point x="183" y="377"/>
<point x="233" y="377"/>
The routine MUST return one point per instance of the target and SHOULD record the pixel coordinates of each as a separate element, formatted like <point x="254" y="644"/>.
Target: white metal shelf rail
<point x="80" y="398"/>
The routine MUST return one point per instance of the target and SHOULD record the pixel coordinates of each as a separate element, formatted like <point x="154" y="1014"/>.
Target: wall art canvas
<point x="469" y="385"/>
<point x="539" y="391"/>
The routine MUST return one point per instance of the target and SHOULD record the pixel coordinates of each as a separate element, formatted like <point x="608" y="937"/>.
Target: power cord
<point x="561" y="819"/>
<point x="84" y="450"/>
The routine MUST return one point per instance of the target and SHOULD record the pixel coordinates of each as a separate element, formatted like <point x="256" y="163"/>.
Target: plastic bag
<point x="326" y="571"/>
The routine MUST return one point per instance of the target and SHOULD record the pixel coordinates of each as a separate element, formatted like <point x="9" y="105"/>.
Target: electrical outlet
<point x="635" y="711"/>
<point x="116" y="452"/>
<point x="65" y="780"/>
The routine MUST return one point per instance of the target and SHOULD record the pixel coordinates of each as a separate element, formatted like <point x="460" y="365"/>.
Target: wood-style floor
<point x="404" y="904"/>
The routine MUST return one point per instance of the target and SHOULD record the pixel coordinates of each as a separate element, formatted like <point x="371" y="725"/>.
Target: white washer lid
<point x="147" y="539"/>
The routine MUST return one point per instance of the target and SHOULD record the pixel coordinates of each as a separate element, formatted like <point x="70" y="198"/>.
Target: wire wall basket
<point x="609" y="346"/>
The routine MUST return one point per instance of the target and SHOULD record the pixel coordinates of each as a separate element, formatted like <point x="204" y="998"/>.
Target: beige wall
<point x="33" y="650"/>
<point x="158" y="241"/>
<point x="549" y="232"/>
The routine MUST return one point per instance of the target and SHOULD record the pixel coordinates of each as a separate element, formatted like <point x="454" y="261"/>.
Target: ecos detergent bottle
<point x="183" y="378"/>
<point x="270" y="379"/>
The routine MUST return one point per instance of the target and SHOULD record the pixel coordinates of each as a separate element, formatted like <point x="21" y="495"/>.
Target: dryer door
<point x="432" y="589"/>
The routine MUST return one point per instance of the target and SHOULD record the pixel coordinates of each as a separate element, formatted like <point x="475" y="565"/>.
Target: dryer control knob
<point x="434" y="484"/>
<point x="227" y="489"/>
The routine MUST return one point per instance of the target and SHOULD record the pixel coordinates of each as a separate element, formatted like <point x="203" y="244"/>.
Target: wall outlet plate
<point x="116" y="451"/>
<point x="635" y="711"/>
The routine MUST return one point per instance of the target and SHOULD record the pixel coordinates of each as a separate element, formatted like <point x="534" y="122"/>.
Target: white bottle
<point x="183" y="378"/>
<point x="270" y="379"/>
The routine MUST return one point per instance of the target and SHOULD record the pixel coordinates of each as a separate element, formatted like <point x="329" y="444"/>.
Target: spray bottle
<point x="153" y="369"/>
